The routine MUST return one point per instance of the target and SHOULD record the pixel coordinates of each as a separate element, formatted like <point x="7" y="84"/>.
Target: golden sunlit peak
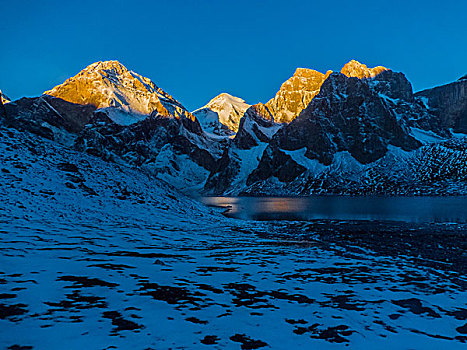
<point x="304" y="72"/>
<point x="106" y="65"/>
<point x="359" y="70"/>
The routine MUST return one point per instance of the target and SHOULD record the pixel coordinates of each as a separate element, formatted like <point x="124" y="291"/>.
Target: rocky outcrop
<point x="243" y="153"/>
<point x="224" y="109"/>
<point x="49" y="117"/>
<point x="256" y="126"/>
<point x="210" y="123"/>
<point x="433" y="169"/>
<point x="449" y="103"/>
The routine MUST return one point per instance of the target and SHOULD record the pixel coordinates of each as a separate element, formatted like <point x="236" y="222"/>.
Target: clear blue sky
<point x="197" y="49"/>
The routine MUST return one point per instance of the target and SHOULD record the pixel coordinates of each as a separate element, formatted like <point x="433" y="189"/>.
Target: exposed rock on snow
<point x="256" y="126"/>
<point x="371" y="122"/>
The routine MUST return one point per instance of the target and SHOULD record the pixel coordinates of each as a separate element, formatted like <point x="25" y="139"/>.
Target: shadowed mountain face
<point x="3" y="100"/>
<point x="48" y="116"/>
<point x="176" y="150"/>
<point x="348" y="115"/>
<point x="449" y="104"/>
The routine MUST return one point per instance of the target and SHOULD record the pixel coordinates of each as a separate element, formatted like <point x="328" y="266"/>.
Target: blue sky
<point x="197" y="49"/>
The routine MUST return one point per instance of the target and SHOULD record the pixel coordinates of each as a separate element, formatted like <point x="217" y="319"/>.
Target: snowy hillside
<point x="100" y="255"/>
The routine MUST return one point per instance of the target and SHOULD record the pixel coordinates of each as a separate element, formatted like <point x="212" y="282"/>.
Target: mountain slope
<point x="101" y="253"/>
<point x="356" y="122"/>
<point x="48" y="116"/>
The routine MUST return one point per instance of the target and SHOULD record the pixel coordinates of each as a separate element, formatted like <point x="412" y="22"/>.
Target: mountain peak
<point x="224" y="96"/>
<point x="113" y="66"/>
<point x="110" y="84"/>
<point x="230" y="109"/>
<point x="355" y="69"/>
<point x="295" y="94"/>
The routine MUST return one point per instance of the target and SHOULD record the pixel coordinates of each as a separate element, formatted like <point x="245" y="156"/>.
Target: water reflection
<point x="409" y="209"/>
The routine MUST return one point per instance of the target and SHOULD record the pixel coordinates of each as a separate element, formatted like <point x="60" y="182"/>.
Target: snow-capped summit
<point x="111" y="84"/>
<point x="229" y="110"/>
<point x="355" y="69"/>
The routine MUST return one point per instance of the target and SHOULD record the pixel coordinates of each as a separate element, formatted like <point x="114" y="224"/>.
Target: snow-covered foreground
<point x="100" y="256"/>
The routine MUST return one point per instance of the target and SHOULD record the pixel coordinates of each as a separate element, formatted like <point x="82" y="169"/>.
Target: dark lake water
<point x="409" y="209"/>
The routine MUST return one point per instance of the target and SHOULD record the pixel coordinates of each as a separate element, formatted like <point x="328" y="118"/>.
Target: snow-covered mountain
<point x="224" y="109"/>
<point x="362" y="133"/>
<point x="361" y="136"/>
<point x="100" y="246"/>
<point x="110" y="84"/>
<point x="359" y="131"/>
